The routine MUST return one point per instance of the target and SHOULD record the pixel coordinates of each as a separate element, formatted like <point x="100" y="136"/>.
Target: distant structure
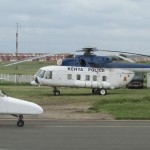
<point x="139" y="58"/>
<point x="135" y="58"/>
<point x="10" y="57"/>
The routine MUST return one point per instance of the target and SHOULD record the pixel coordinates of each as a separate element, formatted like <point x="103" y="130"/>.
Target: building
<point x="10" y="57"/>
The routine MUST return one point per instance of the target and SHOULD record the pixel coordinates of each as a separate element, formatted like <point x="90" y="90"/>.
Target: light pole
<point x="18" y="26"/>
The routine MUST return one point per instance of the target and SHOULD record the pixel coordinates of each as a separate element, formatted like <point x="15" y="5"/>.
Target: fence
<point x="17" y="78"/>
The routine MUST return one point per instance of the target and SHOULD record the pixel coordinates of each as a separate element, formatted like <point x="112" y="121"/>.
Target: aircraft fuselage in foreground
<point x="18" y="108"/>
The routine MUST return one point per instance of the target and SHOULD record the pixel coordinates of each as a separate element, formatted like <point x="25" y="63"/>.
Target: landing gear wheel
<point x="102" y="91"/>
<point x="95" y="91"/>
<point x="56" y="93"/>
<point x="20" y="123"/>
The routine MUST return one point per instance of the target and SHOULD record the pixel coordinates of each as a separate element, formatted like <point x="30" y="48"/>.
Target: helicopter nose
<point x="35" y="82"/>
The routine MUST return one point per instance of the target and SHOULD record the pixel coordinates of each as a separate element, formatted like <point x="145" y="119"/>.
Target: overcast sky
<point x="68" y="25"/>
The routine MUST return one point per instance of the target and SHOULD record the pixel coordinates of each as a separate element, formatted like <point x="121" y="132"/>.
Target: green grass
<point x="24" y="68"/>
<point x="43" y="95"/>
<point x="132" y="104"/>
<point x="120" y="103"/>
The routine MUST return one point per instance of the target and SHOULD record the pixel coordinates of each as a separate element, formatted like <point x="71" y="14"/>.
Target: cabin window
<point x="87" y="77"/>
<point x="94" y="78"/>
<point x="104" y="78"/>
<point x="78" y="77"/>
<point x="48" y="75"/>
<point x="69" y="76"/>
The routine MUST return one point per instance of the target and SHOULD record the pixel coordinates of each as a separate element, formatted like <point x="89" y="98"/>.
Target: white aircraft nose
<point x="31" y="108"/>
<point x="10" y="105"/>
<point x="36" y="109"/>
<point x="34" y="83"/>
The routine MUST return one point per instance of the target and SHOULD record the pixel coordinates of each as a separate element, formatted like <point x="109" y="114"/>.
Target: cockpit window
<point x="37" y="74"/>
<point x="41" y="75"/>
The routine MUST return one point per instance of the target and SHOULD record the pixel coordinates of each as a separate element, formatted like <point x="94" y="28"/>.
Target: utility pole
<point x="18" y="26"/>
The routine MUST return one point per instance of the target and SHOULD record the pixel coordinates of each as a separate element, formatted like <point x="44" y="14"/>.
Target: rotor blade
<point x="125" y="52"/>
<point x="92" y="49"/>
<point x="129" y="60"/>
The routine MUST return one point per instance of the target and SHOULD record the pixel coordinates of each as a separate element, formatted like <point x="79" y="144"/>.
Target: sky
<point x="55" y="26"/>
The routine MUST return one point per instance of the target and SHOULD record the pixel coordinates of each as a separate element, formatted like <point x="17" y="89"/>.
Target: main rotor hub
<point x="88" y="50"/>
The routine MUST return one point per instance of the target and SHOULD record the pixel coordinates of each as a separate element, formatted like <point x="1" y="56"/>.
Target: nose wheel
<point x="20" y="122"/>
<point x="56" y="92"/>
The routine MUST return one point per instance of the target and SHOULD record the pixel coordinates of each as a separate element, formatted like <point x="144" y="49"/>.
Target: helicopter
<point x="80" y="71"/>
<point x="89" y="71"/>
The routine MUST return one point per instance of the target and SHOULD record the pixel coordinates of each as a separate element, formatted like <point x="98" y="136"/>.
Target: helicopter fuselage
<point x="82" y="77"/>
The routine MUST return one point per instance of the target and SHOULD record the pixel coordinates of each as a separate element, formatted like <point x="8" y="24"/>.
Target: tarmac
<point x="70" y="134"/>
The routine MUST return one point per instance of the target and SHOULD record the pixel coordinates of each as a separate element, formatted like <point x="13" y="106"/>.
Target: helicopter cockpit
<point x="40" y="75"/>
<point x="44" y="74"/>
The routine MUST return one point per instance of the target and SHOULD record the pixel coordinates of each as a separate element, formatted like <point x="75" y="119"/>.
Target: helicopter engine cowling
<point x="83" y="62"/>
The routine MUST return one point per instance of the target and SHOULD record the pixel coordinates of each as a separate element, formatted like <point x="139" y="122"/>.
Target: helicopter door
<point x="61" y="78"/>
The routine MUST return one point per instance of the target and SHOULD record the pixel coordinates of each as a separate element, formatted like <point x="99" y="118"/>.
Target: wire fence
<point x="16" y="78"/>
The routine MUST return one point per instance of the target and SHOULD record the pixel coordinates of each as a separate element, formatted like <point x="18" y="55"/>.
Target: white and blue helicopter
<point x="89" y="71"/>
